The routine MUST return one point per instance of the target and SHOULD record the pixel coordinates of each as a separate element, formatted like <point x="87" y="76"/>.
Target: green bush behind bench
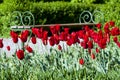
<point x="54" y="12"/>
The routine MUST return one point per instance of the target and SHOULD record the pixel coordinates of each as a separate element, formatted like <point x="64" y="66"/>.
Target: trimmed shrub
<point x="58" y="12"/>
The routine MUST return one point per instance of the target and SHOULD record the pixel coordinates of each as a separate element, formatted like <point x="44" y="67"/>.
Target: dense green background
<point x="60" y="11"/>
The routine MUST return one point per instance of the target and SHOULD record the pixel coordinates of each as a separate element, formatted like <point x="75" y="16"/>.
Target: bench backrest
<point x="26" y="20"/>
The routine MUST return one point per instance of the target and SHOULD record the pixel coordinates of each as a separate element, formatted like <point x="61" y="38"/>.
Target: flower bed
<point x="85" y="54"/>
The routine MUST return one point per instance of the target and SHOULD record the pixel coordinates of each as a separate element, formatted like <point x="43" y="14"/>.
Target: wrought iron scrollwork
<point x="22" y="18"/>
<point x="85" y="17"/>
<point x="97" y="16"/>
<point x="88" y="17"/>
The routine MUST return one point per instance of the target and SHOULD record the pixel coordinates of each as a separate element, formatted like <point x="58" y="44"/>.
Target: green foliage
<point x="51" y="0"/>
<point x="1" y="1"/>
<point x="111" y="12"/>
<point x="112" y="1"/>
<point x="59" y="12"/>
<point x="4" y="23"/>
<point x="96" y="1"/>
<point x="58" y="65"/>
<point x="83" y="1"/>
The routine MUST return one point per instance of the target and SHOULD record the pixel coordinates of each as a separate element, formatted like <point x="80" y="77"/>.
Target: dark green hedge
<point x="61" y="12"/>
<point x="58" y="12"/>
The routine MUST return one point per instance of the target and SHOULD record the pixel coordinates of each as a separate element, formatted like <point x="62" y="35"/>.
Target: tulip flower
<point x="33" y="40"/>
<point x="59" y="47"/>
<point x="51" y="41"/>
<point x="81" y="61"/>
<point x="92" y="56"/>
<point x="106" y="28"/>
<point x="1" y="43"/>
<point x="24" y="35"/>
<point x="53" y="30"/>
<point x="66" y="30"/>
<point x="112" y="23"/>
<point x="86" y="28"/>
<point x="115" y="31"/>
<point x="57" y="27"/>
<point x="90" y="44"/>
<point x="45" y="35"/>
<point x="115" y="39"/>
<point x="98" y="25"/>
<point x="20" y="54"/>
<point x="14" y="36"/>
<point x="97" y="50"/>
<point x="29" y="49"/>
<point x="8" y="48"/>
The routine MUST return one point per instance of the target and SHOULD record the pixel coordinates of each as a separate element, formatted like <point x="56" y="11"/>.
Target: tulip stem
<point x="64" y="47"/>
<point x="103" y="58"/>
<point x="23" y="46"/>
<point x="29" y="38"/>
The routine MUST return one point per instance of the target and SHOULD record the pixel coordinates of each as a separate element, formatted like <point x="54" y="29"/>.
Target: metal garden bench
<point x="25" y="20"/>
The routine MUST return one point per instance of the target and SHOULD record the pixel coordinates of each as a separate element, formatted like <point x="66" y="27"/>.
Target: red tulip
<point x="35" y="30"/>
<point x="81" y="33"/>
<point x="63" y="36"/>
<point x="100" y="34"/>
<point x="84" y="45"/>
<point x="86" y="38"/>
<point x="108" y="38"/>
<point x="106" y="28"/>
<point x="51" y="41"/>
<point x="53" y="30"/>
<point x="89" y="50"/>
<point x="59" y="47"/>
<point x="88" y="34"/>
<point x="86" y="28"/>
<point x="57" y="27"/>
<point x="14" y="36"/>
<point x="102" y="43"/>
<point x="24" y="35"/>
<point x="81" y="61"/>
<point x="92" y="56"/>
<point x="29" y="49"/>
<point x="8" y="48"/>
<point x="90" y="44"/>
<point x="97" y="50"/>
<point x="20" y="54"/>
<point x="1" y="43"/>
<point x="66" y="30"/>
<point x="69" y="42"/>
<point x="91" y="33"/>
<point x="97" y="36"/>
<point x="45" y="35"/>
<point x="74" y="37"/>
<point x="115" y="39"/>
<point x="44" y="42"/>
<point x="112" y="23"/>
<point x="33" y="39"/>
<point x="56" y="39"/>
<point x="118" y="44"/>
<point x="38" y="32"/>
<point x="115" y="31"/>
<point x="98" y="25"/>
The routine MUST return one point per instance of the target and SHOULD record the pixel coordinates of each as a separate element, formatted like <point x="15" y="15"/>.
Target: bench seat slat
<point x="47" y="25"/>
